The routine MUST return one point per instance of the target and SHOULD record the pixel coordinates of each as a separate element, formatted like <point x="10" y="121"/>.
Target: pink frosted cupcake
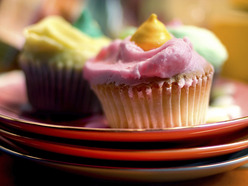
<point x="151" y="80"/>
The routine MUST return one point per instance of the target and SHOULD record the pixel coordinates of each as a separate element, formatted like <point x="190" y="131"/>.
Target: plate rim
<point x="135" y="174"/>
<point x="130" y="135"/>
<point x="212" y="164"/>
<point x="187" y="153"/>
<point x="67" y="127"/>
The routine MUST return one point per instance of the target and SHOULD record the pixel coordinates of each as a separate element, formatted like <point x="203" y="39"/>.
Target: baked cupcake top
<point x="150" y="53"/>
<point x="204" y="42"/>
<point x="54" y="38"/>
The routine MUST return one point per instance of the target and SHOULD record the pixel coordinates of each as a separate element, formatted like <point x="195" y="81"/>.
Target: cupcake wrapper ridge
<point x="158" y="105"/>
<point x="59" y="90"/>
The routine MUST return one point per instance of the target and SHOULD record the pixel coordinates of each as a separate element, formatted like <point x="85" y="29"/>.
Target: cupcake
<point x="204" y="42"/>
<point x="52" y="59"/>
<point x="86" y="24"/>
<point x="151" y="80"/>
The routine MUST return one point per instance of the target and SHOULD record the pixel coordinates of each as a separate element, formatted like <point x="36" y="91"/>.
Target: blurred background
<point x="228" y="19"/>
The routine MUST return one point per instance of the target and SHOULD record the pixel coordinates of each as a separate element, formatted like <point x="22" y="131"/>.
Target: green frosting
<point x="127" y="32"/>
<point x="87" y="25"/>
<point x="204" y="42"/>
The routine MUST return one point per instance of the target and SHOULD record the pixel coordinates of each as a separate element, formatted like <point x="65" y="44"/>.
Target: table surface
<point x="18" y="172"/>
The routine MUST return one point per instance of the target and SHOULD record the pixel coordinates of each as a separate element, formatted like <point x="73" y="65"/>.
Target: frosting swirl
<point x="53" y="36"/>
<point x="123" y="62"/>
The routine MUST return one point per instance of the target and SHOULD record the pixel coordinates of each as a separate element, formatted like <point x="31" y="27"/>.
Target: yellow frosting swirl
<point x="54" y="35"/>
<point x="151" y="34"/>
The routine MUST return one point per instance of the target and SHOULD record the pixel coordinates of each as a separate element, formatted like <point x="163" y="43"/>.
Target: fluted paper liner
<point x="157" y="105"/>
<point x="59" y="90"/>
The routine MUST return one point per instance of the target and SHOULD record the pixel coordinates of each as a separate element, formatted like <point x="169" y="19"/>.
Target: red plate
<point x="152" y="175"/>
<point x="13" y="99"/>
<point x="131" y="155"/>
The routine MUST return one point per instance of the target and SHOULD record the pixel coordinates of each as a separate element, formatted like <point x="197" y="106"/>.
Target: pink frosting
<point x="123" y="62"/>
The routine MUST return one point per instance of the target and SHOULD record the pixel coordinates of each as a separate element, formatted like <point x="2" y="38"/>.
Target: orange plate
<point x="131" y="155"/>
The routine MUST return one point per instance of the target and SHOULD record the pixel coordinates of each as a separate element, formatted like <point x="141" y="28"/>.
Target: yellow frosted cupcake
<point x="151" y="80"/>
<point x="52" y="59"/>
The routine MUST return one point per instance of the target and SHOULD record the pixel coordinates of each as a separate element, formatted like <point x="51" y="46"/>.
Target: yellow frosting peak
<point x="151" y="34"/>
<point x="153" y="17"/>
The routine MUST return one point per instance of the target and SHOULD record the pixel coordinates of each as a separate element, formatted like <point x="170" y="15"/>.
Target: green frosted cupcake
<point x="204" y="42"/>
<point x="52" y="59"/>
<point x="88" y="25"/>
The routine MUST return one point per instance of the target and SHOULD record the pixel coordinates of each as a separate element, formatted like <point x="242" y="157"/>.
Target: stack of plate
<point x="87" y="146"/>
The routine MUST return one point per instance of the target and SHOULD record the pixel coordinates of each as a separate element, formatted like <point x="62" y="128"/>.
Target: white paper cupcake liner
<point x="158" y="105"/>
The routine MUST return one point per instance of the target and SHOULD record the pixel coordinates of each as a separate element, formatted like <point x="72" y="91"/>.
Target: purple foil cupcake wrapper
<point x="59" y="90"/>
